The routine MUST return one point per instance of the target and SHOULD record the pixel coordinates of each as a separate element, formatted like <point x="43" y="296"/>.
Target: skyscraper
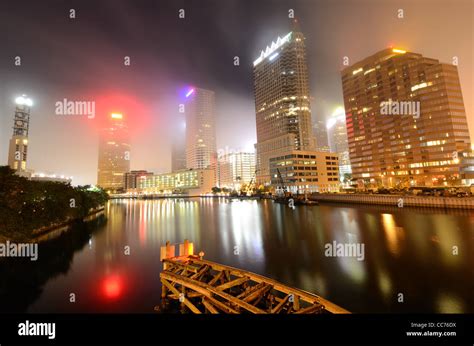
<point x="321" y="134"/>
<point x="286" y="146"/>
<point x="178" y="153"/>
<point x="114" y="154"/>
<point x="282" y="101"/>
<point x="201" y="152"/>
<point x="405" y="117"/>
<point x="337" y="135"/>
<point x="18" y="148"/>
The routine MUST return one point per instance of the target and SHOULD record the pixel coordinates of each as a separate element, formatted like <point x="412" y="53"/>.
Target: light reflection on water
<point x="406" y="251"/>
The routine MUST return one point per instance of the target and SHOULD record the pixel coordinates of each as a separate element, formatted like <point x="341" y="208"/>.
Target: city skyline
<point x="235" y="127"/>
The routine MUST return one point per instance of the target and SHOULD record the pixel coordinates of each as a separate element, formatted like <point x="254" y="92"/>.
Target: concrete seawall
<point x="393" y="200"/>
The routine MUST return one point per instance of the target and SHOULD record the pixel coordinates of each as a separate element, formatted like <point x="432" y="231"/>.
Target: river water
<point x="414" y="260"/>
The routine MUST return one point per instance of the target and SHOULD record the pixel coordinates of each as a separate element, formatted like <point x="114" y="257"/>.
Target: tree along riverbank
<point x="29" y="208"/>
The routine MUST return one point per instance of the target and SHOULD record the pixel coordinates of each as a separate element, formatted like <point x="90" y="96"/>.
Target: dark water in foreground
<point x="406" y="251"/>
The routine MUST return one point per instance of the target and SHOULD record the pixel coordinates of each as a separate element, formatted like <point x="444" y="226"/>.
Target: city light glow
<point x="116" y="116"/>
<point x="398" y="51"/>
<point x="23" y="100"/>
<point x="273" y="47"/>
<point x="190" y="92"/>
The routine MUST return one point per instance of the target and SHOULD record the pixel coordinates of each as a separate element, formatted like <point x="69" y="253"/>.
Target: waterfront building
<point x="114" y="154"/>
<point x="282" y="105"/>
<point x="201" y="152"/>
<point x="192" y="182"/>
<point x="321" y="135"/>
<point x="18" y="148"/>
<point x="306" y="171"/>
<point x="235" y="169"/>
<point x="405" y="118"/>
<point x="337" y="135"/>
<point x="131" y="178"/>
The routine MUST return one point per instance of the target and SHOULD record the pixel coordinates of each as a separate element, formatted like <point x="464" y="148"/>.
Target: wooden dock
<point x="207" y="287"/>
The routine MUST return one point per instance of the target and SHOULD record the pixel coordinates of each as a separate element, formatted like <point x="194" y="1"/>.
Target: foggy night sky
<point x="82" y="59"/>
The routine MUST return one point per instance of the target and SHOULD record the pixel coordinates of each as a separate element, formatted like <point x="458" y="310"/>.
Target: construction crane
<point x="251" y="185"/>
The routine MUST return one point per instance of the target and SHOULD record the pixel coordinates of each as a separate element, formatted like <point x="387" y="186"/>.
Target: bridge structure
<point x="203" y="286"/>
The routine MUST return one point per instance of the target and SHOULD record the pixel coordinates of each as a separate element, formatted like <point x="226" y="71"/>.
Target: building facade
<point x="191" y="182"/>
<point x="18" y="147"/>
<point x="132" y="178"/>
<point x="114" y="154"/>
<point x="282" y="101"/>
<point x="405" y="118"/>
<point x="201" y="152"/>
<point x="305" y="171"/>
<point x="337" y="135"/>
<point x="235" y="169"/>
<point x="321" y="135"/>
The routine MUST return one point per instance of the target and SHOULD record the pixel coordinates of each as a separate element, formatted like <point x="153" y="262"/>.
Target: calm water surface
<point x="406" y="251"/>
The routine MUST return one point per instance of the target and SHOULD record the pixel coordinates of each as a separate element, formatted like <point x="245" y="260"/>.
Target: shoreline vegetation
<point x="30" y="210"/>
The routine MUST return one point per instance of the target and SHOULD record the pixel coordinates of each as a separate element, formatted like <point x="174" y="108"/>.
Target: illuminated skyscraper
<point x="337" y="135"/>
<point x="282" y="101"/>
<point x="406" y="122"/>
<point x="114" y="154"/>
<point x="18" y="150"/>
<point x="201" y="152"/>
<point x="321" y="134"/>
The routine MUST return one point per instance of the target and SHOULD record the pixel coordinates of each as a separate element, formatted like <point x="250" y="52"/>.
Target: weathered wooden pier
<point x="207" y="287"/>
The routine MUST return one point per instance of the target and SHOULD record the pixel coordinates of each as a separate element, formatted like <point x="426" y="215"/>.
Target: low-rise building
<point x="306" y="171"/>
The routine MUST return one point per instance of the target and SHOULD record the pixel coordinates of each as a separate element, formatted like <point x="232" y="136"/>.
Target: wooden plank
<point x="209" y="306"/>
<point x="207" y="291"/>
<point x="280" y="305"/>
<point x="200" y="272"/>
<point x="311" y="309"/>
<point x="257" y="293"/>
<point x="251" y="290"/>
<point x="232" y="283"/>
<point x="189" y="295"/>
<point x="215" y="278"/>
<point x="296" y="303"/>
<point x="221" y="306"/>
<point x="186" y="301"/>
<point x="173" y="263"/>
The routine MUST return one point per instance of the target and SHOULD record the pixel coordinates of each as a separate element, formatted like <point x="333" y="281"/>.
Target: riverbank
<point x="398" y="200"/>
<point x="55" y="230"/>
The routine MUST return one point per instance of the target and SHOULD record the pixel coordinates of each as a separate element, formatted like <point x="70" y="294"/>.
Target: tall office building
<point x="405" y="118"/>
<point x="282" y="105"/>
<point x="337" y="135"/>
<point x="321" y="134"/>
<point x="18" y="148"/>
<point x="178" y="156"/>
<point x="178" y="148"/>
<point x="236" y="168"/>
<point x="114" y="154"/>
<point x="201" y="150"/>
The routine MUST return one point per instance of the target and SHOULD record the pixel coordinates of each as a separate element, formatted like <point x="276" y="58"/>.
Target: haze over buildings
<point x="114" y="153"/>
<point x="58" y="66"/>
<point x="201" y="151"/>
